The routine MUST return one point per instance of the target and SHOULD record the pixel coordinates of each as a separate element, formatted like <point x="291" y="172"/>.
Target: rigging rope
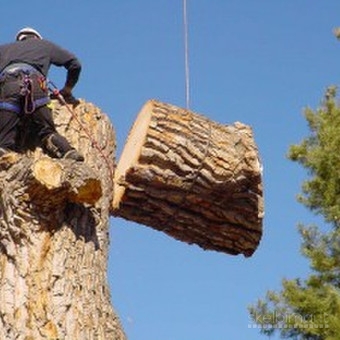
<point x="93" y="141"/>
<point x="186" y="55"/>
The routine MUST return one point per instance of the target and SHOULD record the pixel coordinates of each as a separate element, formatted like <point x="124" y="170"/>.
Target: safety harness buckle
<point x="27" y="71"/>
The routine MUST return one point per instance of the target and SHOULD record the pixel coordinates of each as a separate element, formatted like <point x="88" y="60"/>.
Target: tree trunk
<point x="54" y="236"/>
<point x="196" y="180"/>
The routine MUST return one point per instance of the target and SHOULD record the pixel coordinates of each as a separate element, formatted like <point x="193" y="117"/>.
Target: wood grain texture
<point x="54" y="237"/>
<point x="194" y="179"/>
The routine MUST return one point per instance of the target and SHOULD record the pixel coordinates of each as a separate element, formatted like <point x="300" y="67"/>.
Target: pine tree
<point x="309" y="309"/>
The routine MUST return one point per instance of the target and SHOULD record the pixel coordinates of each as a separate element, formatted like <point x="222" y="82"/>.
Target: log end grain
<point x="90" y="192"/>
<point x="8" y="159"/>
<point x="131" y="151"/>
<point x="48" y="172"/>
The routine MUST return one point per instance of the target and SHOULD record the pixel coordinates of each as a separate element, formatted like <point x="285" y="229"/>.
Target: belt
<point x="17" y="107"/>
<point x="19" y="67"/>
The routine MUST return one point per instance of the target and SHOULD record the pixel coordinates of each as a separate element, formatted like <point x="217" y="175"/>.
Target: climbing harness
<point x="10" y="107"/>
<point x="56" y="93"/>
<point x="24" y="75"/>
<point x="33" y="105"/>
<point x="26" y="92"/>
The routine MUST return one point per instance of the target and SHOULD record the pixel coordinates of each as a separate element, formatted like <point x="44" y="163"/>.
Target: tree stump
<point x="196" y="180"/>
<point x="54" y="237"/>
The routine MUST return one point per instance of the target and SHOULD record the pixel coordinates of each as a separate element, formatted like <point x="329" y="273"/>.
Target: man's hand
<point x="66" y="93"/>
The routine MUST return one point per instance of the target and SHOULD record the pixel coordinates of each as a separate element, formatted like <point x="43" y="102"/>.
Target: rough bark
<point x="54" y="236"/>
<point x="196" y="180"/>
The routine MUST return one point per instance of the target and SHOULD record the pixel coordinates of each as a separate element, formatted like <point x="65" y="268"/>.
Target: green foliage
<point x="320" y="155"/>
<point x="336" y="32"/>
<point x="310" y="309"/>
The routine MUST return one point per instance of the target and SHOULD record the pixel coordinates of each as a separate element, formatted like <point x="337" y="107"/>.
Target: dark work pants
<point x="9" y="122"/>
<point x="40" y="121"/>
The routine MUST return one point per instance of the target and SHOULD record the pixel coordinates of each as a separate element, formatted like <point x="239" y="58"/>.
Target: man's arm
<point x="62" y="57"/>
<point x="73" y="67"/>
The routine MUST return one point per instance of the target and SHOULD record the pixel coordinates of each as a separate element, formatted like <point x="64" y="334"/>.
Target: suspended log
<point x="194" y="179"/>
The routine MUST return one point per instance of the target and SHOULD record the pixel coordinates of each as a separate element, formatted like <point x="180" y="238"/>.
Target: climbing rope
<point x="27" y="91"/>
<point x="94" y="143"/>
<point x="186" y="55"/>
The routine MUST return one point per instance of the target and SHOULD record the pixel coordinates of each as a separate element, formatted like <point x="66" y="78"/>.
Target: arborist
<point x="24" y="65"/>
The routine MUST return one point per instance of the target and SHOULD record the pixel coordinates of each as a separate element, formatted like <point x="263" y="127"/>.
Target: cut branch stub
<point x="78" y="181"/>
<point x="194" y="179"/>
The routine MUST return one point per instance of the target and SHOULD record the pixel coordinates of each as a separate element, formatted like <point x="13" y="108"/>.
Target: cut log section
<point x="194" y="179"/>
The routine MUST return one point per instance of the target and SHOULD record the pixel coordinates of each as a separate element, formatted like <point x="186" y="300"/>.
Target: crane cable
<point x="186" y="55"/>
<point x="187" y="89"/>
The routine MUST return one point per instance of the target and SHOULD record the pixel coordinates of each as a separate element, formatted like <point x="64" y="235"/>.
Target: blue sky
<point x="259" y="62"/>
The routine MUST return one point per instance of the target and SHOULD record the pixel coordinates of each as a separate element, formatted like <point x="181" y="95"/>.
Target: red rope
<point x="94" y="143"/>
